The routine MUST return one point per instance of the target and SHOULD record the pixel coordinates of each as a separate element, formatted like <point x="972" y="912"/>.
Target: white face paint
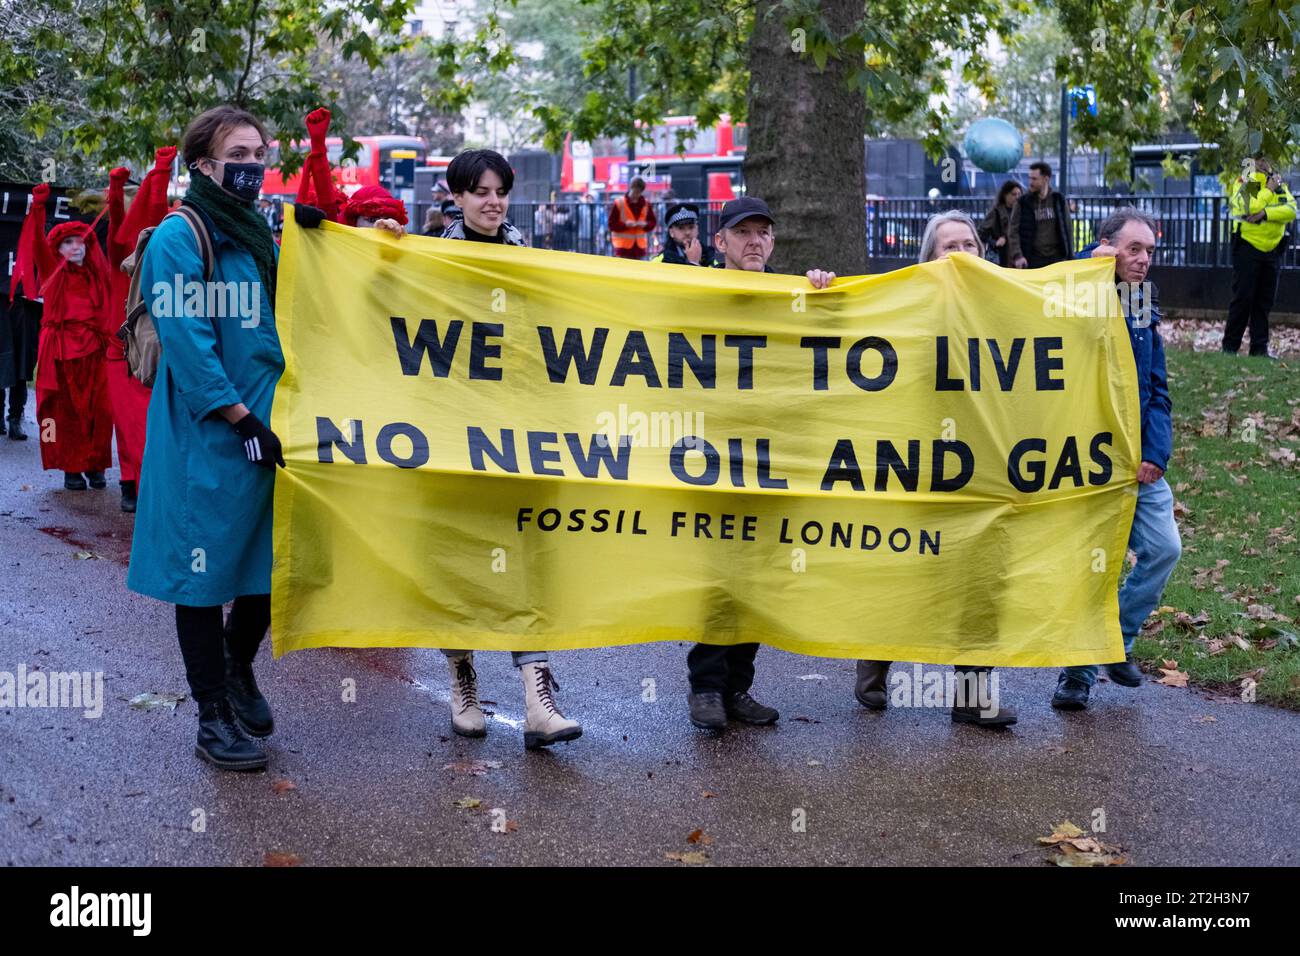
<point x="73" y="249"/>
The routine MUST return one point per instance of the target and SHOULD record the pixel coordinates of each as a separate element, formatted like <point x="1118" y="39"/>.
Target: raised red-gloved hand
<point x="119" y="175"/>
<point x="163" y="156"/>
<point x="41" y="192"/>
<point x="318" y="124"/>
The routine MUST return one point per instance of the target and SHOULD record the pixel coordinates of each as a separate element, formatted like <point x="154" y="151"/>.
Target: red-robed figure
<point x="72" y="407"/>
<point x="368" y="207"/>
<point x="130" y="399"/>
<point x="316" y="186"/>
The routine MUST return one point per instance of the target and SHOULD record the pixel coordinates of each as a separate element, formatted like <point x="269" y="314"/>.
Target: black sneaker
<point x="1071" y="694"/>
<point x="73" y="481"/>
<point x="1125" y="673"/>
<point x="247" y="702"/>
<point x="223" y="743"/>
<point x="16" y="430"/>
<point x="707" y="710"/>
<point x="96" y="479"/>
<point x="745" y="709"/>
<point x="128" y="497"/>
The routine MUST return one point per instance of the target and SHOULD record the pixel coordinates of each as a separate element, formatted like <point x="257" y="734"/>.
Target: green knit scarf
<point x="241" y="222"/>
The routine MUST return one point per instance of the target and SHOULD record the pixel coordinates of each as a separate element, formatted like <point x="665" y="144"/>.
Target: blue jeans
<point x="1154" y="539"/>
<point x="520" y="657"/>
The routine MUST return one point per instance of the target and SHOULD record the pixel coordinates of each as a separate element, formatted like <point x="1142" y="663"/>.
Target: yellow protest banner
<point x="500" y="448"/>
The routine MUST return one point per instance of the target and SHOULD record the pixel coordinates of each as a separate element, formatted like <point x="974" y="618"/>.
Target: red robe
<point x="316" y="184"/>
<point x="130" y="399"/>
<point x="73" y="414"/>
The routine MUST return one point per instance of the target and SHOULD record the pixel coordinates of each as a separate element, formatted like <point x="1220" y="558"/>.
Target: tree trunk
<point x="805" y="153"/>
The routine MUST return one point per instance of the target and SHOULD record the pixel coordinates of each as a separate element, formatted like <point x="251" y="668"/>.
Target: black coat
<point x="677" y="254"/>
<point x="1027" y="225"/>
<point x="20" y="323"/>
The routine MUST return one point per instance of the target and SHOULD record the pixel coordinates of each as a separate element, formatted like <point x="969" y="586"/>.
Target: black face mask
<point x="243" y="180"/>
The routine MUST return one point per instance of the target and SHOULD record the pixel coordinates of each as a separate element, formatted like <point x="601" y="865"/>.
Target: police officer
<point x="1262" y="207"/>
<point x="683" y="246"/>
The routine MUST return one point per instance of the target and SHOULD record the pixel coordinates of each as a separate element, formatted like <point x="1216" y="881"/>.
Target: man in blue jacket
<point x="1130" y="236"/>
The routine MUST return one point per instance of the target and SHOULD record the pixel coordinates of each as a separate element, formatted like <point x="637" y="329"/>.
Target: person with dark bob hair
<point x="480" y="181"/>
<point x="203" y="526"/>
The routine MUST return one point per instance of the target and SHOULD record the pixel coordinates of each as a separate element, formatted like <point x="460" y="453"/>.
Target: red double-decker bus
<point x="707" y="167"/>
<point x="387" y="161"/>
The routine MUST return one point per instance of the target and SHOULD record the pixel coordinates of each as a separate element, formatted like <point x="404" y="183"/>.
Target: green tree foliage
<point x="1229" y="71"/>
<point x="103" y="81"/>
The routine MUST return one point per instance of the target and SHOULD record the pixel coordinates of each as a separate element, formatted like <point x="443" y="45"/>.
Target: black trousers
<point x="1254" y="287"/>
<point x="203" y="637"/>
<point x="17" y="400"/>
<point x="724" y="669"/>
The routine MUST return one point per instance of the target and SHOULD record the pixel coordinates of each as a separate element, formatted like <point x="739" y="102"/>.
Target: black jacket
<point x="677" y="254"/>
<point x="1023" y="225"/>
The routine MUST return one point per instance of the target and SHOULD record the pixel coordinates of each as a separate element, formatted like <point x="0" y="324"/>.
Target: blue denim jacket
<point x="1153" y="380"/>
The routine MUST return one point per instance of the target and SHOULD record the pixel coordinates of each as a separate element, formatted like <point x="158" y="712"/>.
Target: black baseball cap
<point x="746" y="207"/>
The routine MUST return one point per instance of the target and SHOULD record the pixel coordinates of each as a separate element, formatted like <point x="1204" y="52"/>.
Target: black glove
<point x="260" y="444"/>
<point x="309" y="217"/>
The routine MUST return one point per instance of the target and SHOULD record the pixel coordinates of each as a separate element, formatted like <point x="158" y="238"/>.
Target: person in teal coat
<point x="203" y="525"/>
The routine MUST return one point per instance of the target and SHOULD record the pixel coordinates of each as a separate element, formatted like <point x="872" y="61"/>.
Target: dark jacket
<point x="1153" y="380"/>
<point x="676" y="254"/>
<point x="1023" y="225"/>
<point x="995" y="225"/>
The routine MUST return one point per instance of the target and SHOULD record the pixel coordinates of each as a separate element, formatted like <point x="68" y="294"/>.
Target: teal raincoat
<point x="203" y="522"/>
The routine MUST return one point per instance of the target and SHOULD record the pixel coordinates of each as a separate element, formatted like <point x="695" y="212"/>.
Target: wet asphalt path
<point x="376" y="781"/>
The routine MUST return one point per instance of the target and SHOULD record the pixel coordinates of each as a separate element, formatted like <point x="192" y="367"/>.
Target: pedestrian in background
<point x="1039" y="232"/>
<point x="631" y="222"/>
<point x="995" y="228"/>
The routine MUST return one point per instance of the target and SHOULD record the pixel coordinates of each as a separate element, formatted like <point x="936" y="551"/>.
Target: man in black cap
<point x="722" y="675"/>
<point x="683" y="246"/>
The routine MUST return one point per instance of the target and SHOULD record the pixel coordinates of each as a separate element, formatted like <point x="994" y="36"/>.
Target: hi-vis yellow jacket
<point x="1279" y="207"/>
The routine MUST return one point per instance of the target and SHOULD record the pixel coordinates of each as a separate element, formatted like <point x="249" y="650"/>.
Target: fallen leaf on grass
<point x="1240" y="641"/>
<point x="1173" y="677"/>
<point x="1263" y="612"/>
<point x="700" y="837"/>
<point x="1188" y="622"/>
